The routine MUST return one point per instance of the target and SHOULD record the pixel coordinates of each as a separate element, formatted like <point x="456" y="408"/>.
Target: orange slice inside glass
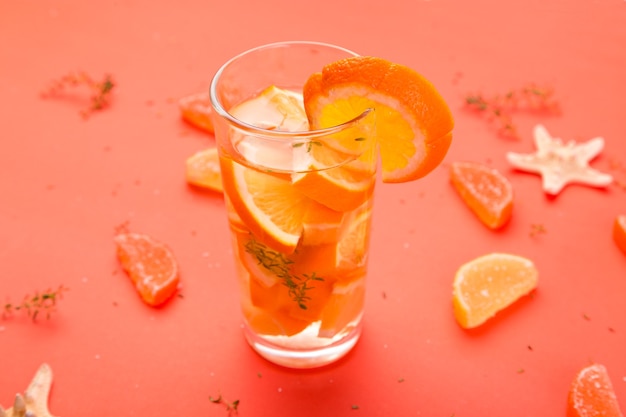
<point x="267" y="204"/>
<point x="352" y="248"/>
<point x="280" y="208"/>
<point x="344" y="306"/>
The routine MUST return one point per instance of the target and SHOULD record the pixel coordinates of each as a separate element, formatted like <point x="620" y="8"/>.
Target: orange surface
<point x="67" y="183"/>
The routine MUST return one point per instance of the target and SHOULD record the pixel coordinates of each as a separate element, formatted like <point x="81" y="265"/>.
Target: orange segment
<point x="619" y="232"/>
<point x="345" y="305"/>
<point x="591" y="394"/>
<point x="413" y="122"/>
<point x="488" y="284"/>
<point x="318" y="259"/>
<point x="203" y="170"/>
<point x="321" y="225"/>
<point x="277" y="213"/>
<point x="273" y="323"/>
<point x="268" y="297"/>
<point x="352" y="248"/>
<point x="150" y="265"/>
<point x="338" y="188"/>
<point x="485" y="191"/>
<point x="281" y="300"/>
<point x="196" y="110"/>
<point x="246" y="248"/>
<point x="317" y="295"/>
<point x="341" y="179"/>
<point x="267" y="204"/>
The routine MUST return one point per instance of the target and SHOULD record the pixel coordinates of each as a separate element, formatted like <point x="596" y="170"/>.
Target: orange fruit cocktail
<point x="300" y="130"/>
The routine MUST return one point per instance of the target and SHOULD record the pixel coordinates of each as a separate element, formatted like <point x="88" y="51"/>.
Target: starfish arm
<point x="590" y="149"/>
<point x="19" y="407"/>
<point x="543" y="139"/>
<point x="35" y="399"/>
<point x="523" y="162"/>
<point x="37" y="393"/>
<point x="592" y="177"/>
<point x="552" y="184"/>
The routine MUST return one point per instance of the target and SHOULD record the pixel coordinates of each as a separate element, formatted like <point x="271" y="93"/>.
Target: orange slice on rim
<point x="413" y="122"/>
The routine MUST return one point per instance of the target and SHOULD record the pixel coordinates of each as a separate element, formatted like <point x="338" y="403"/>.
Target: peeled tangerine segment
<point x="488" y="284"/>
<point x="485" y="191"/>
<point x="591" y="394"/>
<point x="151" y="266"/>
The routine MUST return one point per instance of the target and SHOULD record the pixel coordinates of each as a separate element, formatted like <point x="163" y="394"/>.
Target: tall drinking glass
<point x="299" y="204"/>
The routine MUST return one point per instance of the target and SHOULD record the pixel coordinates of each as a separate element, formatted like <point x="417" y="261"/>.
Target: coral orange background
<point x="67" y="183"/>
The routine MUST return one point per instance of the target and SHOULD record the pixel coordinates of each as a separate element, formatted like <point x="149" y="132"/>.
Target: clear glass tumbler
<point x="299" y="204"/>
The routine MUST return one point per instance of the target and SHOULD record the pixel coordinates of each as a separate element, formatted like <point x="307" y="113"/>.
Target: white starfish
<point x="34" y="403"/>
<point x="560" y="163"/>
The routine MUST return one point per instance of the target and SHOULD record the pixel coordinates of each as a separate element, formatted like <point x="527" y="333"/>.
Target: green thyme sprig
<point x="280" y="265"/>
<point x="309" y="144"/>
<point x="101" y="90"/>
<point x="37" y="304"/>
<point x="499" y="109"/>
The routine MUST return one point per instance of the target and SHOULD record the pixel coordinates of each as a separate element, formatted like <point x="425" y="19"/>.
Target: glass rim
<point x="268" y="133"/>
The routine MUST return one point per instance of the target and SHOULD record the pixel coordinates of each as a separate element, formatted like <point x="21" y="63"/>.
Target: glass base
<point x="296" y="351"/>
